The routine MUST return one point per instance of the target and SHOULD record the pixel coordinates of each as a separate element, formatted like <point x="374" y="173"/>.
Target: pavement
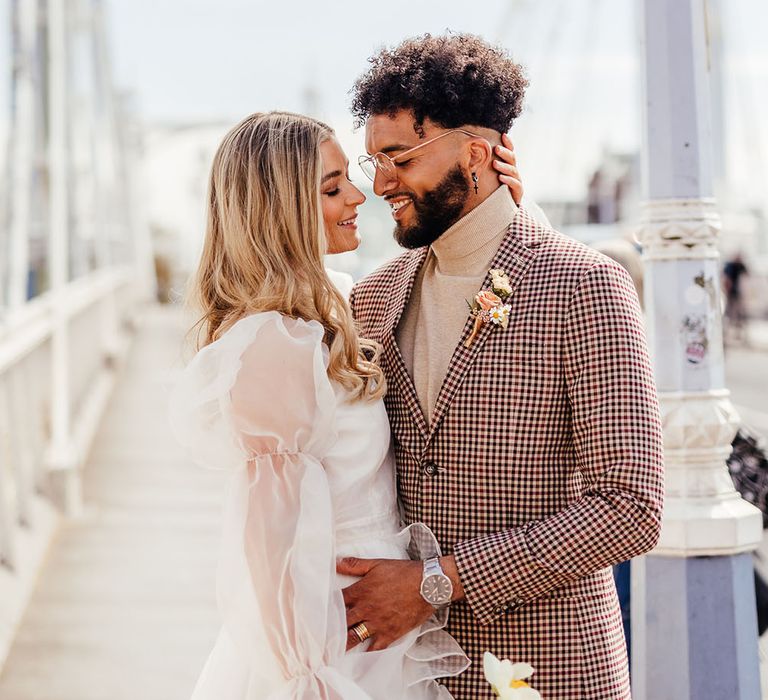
<point x="746" y="375"/>
<point x="757" y="335"/>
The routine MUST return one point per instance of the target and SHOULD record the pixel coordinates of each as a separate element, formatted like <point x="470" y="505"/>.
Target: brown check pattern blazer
<point x="542" y="465"/>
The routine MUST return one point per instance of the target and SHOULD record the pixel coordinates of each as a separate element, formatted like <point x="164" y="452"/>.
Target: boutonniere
<point x="488" y="305"/>
<point x="509" y="681"/>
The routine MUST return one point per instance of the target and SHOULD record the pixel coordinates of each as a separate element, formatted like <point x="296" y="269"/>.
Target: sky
<point x="189" y="61"/>
<point x="192" y="60"/>
<point x="206" y="60"/>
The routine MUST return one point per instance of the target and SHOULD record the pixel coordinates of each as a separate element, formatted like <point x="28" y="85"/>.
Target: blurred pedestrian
<point x="733" y="272"/>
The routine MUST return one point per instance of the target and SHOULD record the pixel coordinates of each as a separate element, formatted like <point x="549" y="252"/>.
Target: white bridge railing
<point x="58" y="358"/>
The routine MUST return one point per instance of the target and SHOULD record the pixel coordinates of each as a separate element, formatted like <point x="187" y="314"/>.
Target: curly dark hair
<point x="451" y="80"/>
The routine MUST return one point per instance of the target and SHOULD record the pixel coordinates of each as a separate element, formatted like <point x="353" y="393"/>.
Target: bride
<point x="285" y="395"/>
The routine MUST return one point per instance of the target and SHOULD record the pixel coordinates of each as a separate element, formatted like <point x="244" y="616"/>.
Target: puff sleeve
<point x="258" y="401"/>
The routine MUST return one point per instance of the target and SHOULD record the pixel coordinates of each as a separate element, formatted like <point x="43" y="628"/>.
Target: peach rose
<point x="487" y="300"/>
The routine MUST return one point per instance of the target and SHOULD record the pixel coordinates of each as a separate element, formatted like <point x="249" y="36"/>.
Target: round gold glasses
<point x="387" y="166"/>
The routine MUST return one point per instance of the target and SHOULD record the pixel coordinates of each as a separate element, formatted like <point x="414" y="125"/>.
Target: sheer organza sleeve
<point x="276" y="583"/>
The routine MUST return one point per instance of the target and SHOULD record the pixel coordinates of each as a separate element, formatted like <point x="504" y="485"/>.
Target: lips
<point x="349" y="223"/>
<point x="398" y="204"/>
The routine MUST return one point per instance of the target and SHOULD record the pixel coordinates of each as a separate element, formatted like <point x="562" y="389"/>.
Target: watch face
<point x="437" y="589"/>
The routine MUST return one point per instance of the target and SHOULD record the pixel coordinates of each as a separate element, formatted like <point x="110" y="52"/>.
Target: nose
<point x="356" y="197"/>
<point x="384" y="182"/>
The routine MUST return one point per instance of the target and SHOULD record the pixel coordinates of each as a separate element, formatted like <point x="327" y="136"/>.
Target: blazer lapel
<point x="514" y="256"/>
<point x="401" y="292"/>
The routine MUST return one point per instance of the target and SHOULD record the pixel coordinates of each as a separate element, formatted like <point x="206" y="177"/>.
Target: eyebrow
<point x="335" y="173"/>
<point x="396" y="147"/>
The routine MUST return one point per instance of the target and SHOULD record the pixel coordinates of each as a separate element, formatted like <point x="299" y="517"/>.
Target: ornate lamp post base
<point x="694" y="627"/>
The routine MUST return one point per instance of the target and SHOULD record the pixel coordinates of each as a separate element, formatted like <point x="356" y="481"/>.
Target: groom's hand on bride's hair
<point x="387" y="599"/>
<point x="505" y="163"/>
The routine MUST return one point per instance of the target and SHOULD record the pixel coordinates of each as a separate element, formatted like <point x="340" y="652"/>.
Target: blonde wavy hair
<point x="265" y="241"/>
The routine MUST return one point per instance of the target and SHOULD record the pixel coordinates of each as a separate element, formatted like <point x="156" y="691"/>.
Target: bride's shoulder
<point x="269" y="334"/>
<point x="271" y="321"/>
<point x="263" y="362"/>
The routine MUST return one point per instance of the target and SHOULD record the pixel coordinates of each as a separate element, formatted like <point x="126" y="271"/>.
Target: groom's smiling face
<point x="427" y="191"/>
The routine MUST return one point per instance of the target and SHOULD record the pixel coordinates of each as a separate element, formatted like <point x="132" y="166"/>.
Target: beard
<point x="436" y="211"/>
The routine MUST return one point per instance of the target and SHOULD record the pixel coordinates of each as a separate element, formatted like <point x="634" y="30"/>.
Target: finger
<point x="348" y="594"/>
<point x="515" y="187"/>
<point x="379" y="642"/>
<point x="352" y="639"/>
<point x="352" y="566"/>
<point x="354" y="616"/>
<point x="507" y="142"/>
<point x="506" y="154"/>
<point x="506" y="168"/>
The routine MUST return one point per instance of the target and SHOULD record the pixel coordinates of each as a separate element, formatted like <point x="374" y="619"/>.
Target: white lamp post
<point x="693" y="606"/>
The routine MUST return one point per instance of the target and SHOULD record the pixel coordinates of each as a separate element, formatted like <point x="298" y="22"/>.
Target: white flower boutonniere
<point x="508" y="680"/>
<point x="488" y="305"/>
<point x="500" y="283"/>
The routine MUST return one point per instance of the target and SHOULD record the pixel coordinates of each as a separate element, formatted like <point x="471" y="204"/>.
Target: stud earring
<point x="474" y="179"/>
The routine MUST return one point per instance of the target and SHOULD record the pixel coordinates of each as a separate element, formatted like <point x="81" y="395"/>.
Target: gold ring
<point x="361" y="631"/>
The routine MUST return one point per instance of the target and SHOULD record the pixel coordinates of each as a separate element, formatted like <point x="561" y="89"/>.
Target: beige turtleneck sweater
<point x="452" y="273"/>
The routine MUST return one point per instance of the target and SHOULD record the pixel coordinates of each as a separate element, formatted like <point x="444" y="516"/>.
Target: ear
<point x="479" y="154"/>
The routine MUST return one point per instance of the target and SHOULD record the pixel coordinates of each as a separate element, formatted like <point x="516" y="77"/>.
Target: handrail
<point x="26" y="328"/>
<point x="35" y="489"/>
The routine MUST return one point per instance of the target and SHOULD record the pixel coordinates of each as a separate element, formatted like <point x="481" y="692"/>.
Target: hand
<point x="506" y="165"/>
<point x="387" y="599"/>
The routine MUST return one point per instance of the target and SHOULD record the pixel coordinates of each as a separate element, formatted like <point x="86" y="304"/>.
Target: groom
<point x="532" y="446"/>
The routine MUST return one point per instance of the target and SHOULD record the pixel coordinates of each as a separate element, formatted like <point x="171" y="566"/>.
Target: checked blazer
<point x="542" y="463"/>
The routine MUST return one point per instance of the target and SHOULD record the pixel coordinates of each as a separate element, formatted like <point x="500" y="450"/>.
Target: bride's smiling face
<point x="340" y="199"/>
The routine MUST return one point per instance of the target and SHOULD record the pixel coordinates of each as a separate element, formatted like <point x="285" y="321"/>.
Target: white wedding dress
<point x="313" y="479"/>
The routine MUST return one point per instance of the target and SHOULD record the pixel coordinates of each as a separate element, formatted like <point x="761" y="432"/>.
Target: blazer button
<point x="430" y="468"/>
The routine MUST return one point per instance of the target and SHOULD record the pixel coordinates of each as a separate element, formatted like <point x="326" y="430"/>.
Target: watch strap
<point x="432" y="566"/>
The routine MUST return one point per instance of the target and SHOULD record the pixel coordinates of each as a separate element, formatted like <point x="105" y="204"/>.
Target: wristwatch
<point x="436" y="587"/>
